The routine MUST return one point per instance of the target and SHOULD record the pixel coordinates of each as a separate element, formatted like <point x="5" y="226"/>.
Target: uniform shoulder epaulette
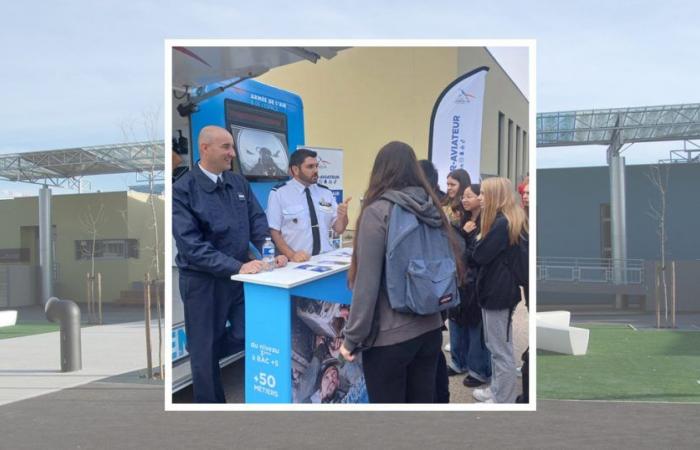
<point x="277" y="186"/>
<point x="323" y="186"/>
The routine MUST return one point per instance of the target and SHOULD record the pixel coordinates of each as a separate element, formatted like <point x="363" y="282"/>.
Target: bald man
<point x="215" y="216"/>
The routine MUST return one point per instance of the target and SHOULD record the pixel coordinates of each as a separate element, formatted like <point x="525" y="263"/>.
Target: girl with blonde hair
<point x="503" y="225"/>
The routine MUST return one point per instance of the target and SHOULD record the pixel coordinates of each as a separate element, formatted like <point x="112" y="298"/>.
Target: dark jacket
<point x="212" y="224"/>
<point x="495" y="285"/>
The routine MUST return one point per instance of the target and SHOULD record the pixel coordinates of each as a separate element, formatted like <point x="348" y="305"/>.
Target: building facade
<point x="121" y="224"/>
<point x="573" y="221"/>
<point x="367" y="96"/>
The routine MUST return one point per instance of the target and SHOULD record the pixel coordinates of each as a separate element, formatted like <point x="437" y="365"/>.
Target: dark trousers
<point x="525" y="396"/>
<point x="209" y="303"/>
<point x="404" y="372"/>
<point x="442" y="381"/>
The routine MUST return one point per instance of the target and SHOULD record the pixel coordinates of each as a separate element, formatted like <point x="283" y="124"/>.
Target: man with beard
<point x="302" y="212"/>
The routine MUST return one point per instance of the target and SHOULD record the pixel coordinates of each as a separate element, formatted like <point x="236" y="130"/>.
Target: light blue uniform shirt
<point x="288" y="212"/>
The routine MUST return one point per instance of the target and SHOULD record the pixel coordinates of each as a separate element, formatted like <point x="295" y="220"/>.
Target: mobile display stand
<point x="268" y="319"/>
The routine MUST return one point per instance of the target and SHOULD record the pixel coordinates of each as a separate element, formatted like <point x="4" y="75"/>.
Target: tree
<point x="150" y="122"/>
<point x="91" y="222"/>
<point x="658" y="175"/>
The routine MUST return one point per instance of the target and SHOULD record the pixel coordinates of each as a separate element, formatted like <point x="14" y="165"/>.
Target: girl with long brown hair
<point x="457" y="181"/>
<point x="503" y="225"/>
<point x="400" y="350"/>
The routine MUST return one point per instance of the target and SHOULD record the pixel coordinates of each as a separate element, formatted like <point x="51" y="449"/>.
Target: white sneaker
<point x="446" y="347"/>
<point x="519" y="372"/>
<point x="483" y="394"/>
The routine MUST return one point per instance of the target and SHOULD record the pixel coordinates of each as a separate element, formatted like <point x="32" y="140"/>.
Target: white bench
<point x="554" y="334"/>
<point x="8" y="318"/>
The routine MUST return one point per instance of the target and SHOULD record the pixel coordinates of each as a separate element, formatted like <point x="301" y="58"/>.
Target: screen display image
<point x="261" y="154"/>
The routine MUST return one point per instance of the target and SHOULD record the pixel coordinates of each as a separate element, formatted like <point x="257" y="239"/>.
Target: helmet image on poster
<point x="262" y="154"/>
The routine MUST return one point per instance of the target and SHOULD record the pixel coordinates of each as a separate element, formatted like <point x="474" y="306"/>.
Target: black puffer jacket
<point x="495" y="285"/>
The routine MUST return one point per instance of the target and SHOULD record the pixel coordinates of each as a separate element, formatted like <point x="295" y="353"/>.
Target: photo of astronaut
<point x="261" y="154"/>
<point x="318" y="376"/>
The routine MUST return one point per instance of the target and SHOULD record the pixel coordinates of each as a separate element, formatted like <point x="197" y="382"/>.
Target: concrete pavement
<point x="30" y="365"/>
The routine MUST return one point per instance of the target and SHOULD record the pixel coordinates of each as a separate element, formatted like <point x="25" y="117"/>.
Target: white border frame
<point x="532" y="129"/>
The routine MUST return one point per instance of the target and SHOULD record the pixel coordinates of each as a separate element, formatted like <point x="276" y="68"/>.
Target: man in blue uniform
<point x="215" y="216"/>
<point x="302" y="212"/>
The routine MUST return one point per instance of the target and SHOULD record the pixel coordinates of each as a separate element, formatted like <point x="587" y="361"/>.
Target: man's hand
<point x="254" y="266"/>
<point x="280" y="261"/>
<point x="300" y="256"/>
<point x="343" y="208"/>
<point x="346" y="353"/>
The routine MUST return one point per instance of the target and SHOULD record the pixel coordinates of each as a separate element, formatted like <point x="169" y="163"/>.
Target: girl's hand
<point x="469" y="226"/>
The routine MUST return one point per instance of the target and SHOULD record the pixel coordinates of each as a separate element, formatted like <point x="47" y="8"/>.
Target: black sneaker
<point x="471" y="382"/>
<point x="451" y="372"/>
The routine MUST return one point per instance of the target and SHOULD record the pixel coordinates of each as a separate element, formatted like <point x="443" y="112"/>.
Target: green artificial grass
<point x="26" y="330"/>
<point x="624" y="364"/>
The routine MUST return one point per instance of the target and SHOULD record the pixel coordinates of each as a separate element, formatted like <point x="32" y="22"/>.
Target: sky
<point x="73" y="73"/>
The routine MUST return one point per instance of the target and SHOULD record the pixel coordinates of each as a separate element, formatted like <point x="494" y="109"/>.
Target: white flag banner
<point x="455" y="126"/>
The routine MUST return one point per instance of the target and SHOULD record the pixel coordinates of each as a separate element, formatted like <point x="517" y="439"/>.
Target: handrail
<point x="590" y="270"/>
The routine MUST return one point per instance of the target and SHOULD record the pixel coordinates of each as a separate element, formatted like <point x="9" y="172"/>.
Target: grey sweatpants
<point x="498" y="335"/>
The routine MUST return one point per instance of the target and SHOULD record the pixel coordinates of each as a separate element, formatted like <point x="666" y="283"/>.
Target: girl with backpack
<point x="400" y="349"/>
<point x="503" y="225"/>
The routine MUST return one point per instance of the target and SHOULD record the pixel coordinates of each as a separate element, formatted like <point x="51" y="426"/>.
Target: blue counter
<point x="268" y="319"/>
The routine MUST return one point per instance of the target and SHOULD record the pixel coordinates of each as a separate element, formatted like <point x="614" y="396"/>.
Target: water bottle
<point x="268" y="254"/>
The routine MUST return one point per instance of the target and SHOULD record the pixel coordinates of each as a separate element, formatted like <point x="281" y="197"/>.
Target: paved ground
<point x="125" y="414"/>
<point x="30" y="365"/>
<point x="111" y="314"/>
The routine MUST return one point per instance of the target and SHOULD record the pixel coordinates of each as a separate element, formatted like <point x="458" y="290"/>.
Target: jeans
<point x="468" y="352"/>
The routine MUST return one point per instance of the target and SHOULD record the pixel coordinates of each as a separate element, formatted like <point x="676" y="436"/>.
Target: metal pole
<point x="45" y="245"/>
<point x="99" y="296"/>
<point x="657" y="266"/>
<point x="147" y="311"/>
<point x="673" y="295"/>
<point x="618" y="221"/>
<point x="67" y="313"/>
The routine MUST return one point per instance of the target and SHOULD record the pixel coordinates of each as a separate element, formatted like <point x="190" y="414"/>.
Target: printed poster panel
<point x="318" y="376"/>
<point x="330" y="169"/>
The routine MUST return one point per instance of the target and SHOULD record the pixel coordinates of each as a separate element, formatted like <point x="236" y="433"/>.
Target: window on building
<point x="107" y="249"/>
<point x="525" y="154"/>
<point x="518" y="154"/>
<point x="502" y="165"/>
<point x="605" y="231"/>
<point x="510" y="171"/>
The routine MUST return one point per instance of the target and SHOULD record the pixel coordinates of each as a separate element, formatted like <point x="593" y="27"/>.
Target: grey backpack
<point x="421" y="274"/>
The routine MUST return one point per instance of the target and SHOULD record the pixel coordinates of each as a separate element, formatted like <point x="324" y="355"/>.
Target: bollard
<point x="67" y="313"/>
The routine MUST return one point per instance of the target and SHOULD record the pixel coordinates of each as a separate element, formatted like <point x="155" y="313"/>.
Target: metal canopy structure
<point x="614" y="128"/>
<point x="618" y="126"/>
<point x="65" y="167"/>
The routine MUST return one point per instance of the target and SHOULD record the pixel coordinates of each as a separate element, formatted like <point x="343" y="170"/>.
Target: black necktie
<point x="314" y="223"/>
